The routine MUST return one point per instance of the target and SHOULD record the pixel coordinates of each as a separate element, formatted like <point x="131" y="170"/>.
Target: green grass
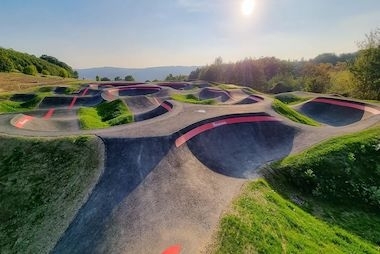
<point x="323" y="200"/>
<point x="43" y="182"/>
<point x="342" y="170"/>
<point x="291" y="99"/>
<point x="293" y="115"/>
<point x="105" y="115"/>
<point x="262" y="221"/>
<point x="191" y="98"/>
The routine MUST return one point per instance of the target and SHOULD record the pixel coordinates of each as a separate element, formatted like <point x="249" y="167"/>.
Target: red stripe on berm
<point x="49" y="114"/>
<point x="73" y="102"/>
<point x="208" y="126"/>
<point x="85" y="91"/>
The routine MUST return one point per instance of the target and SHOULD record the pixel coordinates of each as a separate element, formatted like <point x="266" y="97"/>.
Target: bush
<point x="45" y="72"/>
<point x="30" y="70"/>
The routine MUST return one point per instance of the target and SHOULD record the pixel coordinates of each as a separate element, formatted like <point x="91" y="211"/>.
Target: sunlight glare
<point x="247" y="7"/>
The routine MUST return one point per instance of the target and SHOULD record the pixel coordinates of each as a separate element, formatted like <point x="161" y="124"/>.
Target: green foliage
<point x="45" y="72"/>
<point x="261" y="221"/>
<point x="191" y="98"/>
<point x="8" y="106"/>
<point x="366" y="68"/>
<point x="291" y="99"/>
<point x="97" y="78"/>
<point x="30" y="70"/>
<point x="11" y="60"/>
<point x="105" y="115"/>
<point x="172" y="78"/>
<point x="342" y="170"/>
<point x="69" y="71"/>
<point x="293" y="115"/>
<point x="43" y="183"/>
<point x="129" y="78"/>
<point x="105" y="79"/>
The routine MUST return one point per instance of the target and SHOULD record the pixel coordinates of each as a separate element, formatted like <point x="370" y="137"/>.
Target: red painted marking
<point x="175" y="249"/>
<point x="73" y="102"/>
<point x="166" y="106"/>
<point x="348" y="104"/>
<point x="23" y="120"/>
<point x="49" y="114"/>
<point x="208" y="126"/>
<point x="85" y="91"/>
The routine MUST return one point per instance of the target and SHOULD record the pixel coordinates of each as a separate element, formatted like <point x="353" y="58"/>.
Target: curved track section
<point x="212" y="93"/>
<point x="236" y="145"/>
<point x="337" y="112"/>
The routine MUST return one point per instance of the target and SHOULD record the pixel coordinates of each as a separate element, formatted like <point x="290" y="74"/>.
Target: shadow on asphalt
<point x="238" y="150"/>
<point x="128" y="162"/>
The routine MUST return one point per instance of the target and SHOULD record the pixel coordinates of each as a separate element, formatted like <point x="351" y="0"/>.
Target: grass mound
<point x="344" y="169"/>
<point x="43" y="182"/>
<point x="262" y="221"/>
<point x="105" y="115"/>
<point x="191" y="98"/>
<point x="323" y="200"/>
<point x="291" y="99"/>
<point x="293" y="115"/>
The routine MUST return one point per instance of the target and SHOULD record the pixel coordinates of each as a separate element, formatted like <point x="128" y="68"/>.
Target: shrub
<point x="30" y="70"/>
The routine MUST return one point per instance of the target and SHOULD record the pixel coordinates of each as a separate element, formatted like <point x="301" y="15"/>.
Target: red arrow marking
<point x="208" y="126"/>
<point x="23" y="120"/>
<point x="175" y="249"/>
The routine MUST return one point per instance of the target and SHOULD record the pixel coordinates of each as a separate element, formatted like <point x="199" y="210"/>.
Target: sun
<point x="247" y="7"/>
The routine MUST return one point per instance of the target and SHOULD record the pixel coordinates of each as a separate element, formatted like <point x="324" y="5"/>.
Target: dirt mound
<point x="336" y="112"/>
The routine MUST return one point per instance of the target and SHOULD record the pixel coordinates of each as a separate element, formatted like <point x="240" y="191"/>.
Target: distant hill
<point x="140" y="74"/>
<point x="14" y="61"/>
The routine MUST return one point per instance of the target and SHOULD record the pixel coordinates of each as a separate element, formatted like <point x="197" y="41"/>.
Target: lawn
<point x="105" y="115"/>
<point x="191" y="98"/>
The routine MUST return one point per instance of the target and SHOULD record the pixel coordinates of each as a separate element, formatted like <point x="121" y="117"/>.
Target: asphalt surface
<point x="154" y="194"/>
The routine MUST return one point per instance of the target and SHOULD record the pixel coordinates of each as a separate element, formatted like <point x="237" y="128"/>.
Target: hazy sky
<point x="143" y="33"/>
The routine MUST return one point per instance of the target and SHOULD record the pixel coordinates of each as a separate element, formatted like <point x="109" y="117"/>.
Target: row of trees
<point x="355" y="74"/>
<point x="126" y="78"/>
<point x="14" y="61"/>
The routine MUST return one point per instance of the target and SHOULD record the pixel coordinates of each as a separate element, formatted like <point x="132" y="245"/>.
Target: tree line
<point x="14" y="61"/>
<point x="353" y="74"/>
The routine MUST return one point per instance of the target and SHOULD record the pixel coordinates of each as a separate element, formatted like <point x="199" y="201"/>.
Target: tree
<point x="6" y="64"/>
<point x="129" y="78"/>
<point x="366" y="67"/>
<point x="117" y="78"/>
<point x="30" y="70"/>
<point x="105" y="79"/>
<point x="75" y="74"/>
<point x="97" y="78"/>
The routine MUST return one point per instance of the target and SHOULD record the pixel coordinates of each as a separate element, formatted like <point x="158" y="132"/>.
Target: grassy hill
<point x="324" y="200"/>
<point x="14" y="61"/>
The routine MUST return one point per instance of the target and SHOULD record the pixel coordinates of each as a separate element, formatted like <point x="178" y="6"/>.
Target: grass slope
<point x="43" y="182"/>
<point x="11" y="82"/>
<point x="323" y="200"/>
<point x="293" y="115"/>
<point x="262" y="221"/>
<point x="105" y="115"/>
<point x="191" y="98"/>
<point x="291" y="99"/>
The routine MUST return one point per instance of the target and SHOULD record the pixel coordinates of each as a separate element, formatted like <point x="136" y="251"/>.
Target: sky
<point x="147" y="33"/>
